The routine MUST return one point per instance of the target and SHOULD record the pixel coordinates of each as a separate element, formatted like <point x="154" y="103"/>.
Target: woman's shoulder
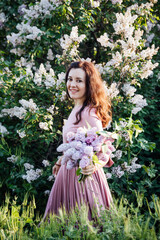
<point x="89" y="112"/>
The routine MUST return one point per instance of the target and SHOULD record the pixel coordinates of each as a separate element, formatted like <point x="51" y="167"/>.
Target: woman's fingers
<point x="88" y="170"/>
<point x="55" y="170"/>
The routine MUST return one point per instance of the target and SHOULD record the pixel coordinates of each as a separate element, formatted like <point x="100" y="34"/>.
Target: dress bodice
<point x="87" y="116"/>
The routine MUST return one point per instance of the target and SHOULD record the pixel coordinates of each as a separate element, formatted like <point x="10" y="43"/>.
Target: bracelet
<point x="57" y="164"/>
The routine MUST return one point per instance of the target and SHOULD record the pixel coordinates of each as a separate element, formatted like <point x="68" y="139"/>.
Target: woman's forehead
<point x="77" y="72"/>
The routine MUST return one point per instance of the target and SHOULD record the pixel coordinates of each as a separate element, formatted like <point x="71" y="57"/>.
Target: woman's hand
<point x="88" y="170"/>
<point x="57" y="166"/>
<point x="55" y="169"/>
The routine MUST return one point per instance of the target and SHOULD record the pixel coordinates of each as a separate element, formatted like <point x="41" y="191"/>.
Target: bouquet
<point x="85" y="147"/>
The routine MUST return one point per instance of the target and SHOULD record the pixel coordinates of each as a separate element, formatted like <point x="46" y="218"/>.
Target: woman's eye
<point x="69" y="79"/>
<point x="79" y="81"/>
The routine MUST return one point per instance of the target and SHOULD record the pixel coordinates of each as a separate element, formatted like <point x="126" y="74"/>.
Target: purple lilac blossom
<point x="92" y="132"/>
<point x="77" y="155"/>
<point x="88" y="150"/>
<point x="78" y="145"/>
<point x="70" y="152"/>
<point x="70" y="136"/>
<point x="90" y="139"/>
<point x="84" y="162"/>
<point x="63" y="147"/>
<point x="64" y="159"/>
<point x="70" y="164"/>
<point x="80" y="137"/>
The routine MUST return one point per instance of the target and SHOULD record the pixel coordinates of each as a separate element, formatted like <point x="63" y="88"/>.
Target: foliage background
<point x="17" y="81"/>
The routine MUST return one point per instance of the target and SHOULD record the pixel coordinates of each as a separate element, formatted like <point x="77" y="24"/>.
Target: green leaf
<point x="119" y="138"/>
<point x="95" y="159"/>
<point x="138" y="130"/>
<point x="78" y="172"/>
<point x="130" y="132"/>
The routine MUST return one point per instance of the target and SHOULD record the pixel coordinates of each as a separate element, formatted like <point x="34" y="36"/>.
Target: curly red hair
<point x="96" y="96"/>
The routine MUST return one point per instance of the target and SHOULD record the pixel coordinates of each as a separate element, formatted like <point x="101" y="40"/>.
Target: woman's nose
<point x="73" y="83"/>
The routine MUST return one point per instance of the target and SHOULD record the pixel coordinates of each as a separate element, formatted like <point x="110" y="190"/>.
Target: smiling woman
<point x="85" y="87"/>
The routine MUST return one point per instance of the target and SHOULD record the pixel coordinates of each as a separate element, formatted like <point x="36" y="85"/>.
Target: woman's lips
<point x="73" y="91"/>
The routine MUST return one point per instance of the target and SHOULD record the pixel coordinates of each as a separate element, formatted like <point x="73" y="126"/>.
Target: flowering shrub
<point x="40" y="40"/>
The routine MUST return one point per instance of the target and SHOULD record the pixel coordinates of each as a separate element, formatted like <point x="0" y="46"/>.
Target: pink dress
<point x="67" y="191"/>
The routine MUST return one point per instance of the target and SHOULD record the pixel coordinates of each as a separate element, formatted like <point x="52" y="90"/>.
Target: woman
<point x="84" y="85"/>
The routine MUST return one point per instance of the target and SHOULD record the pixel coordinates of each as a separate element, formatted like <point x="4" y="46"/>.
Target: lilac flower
<point x="70" y="136"/>
<point x="78" y="145"/>
<point x="88" y="150"/>
<point x="64" y="159"/>
<point x="70" y="164"/>
<point x="92" y="132"/>
<point x="118" y="171"/>
<point x="84" y="162"/>
<point x="77" y="155"/>
<point x="70" y="152"/>
<point x="80" y="136"/>
<point x="81" y="130"/>
<point x="63" y="147"/>
<point x="90" y="139"/>
<point x="73" y="144"/>
<point x="108" y="175"/>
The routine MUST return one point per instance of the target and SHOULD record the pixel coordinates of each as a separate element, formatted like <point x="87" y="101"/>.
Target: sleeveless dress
<point x="67" y="191"/>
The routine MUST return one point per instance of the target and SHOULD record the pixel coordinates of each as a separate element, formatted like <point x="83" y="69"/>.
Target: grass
<point x="122" y="222"/>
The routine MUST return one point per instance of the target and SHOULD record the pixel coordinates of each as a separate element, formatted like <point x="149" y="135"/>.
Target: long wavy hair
<point x="96" y="96"/>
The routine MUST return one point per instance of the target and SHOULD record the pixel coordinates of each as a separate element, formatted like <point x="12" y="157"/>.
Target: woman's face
<point x="76" y="84"/>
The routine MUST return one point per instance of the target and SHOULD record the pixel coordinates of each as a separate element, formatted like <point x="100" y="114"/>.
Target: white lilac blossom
<point x="3" y="130"/>
<point x="21" y="134"/>
<point x="108" y="175"/>
<point x="118" y="154"/>
<point x="149" y="52"/>
<point x="124" y="24"/>
<point x="30" y="105"/>
<point x="51" y="109"/>
<point x="19" y="112"/>
<point x="123" y="123"/>
<point x="48" y="65"/>
<point x="50" y="178"/>
<point x="21" y="9"/>
<point x="67" y="41"/>
<point x="32" y="175"/>
<point x="60" y="80"/>
<point x="117" y="171"/>
<point x="113" y="90"/>
<point x="146" y="70"/>
<point x="139" y="102"/>
<point x="50" y="55"/>
<point x="47" y="192"/>
<point x="95" y="4"/>
<point x="63" y="96"/>
<point x="117" y="1"/>
<point x="104" y="41"/>
<point x="25" y="32"/>
<point x="2" y="19"/>
<point x="117" y="58"/>
<point x="28" y="166"/>
<point x="43" y="125"/>
<point x="41" y="9"/>
<point x="149" y="39"/>
<point x="12" y="158"/>
<point x="128" y="89"/>
<point x="45" y="163"/>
